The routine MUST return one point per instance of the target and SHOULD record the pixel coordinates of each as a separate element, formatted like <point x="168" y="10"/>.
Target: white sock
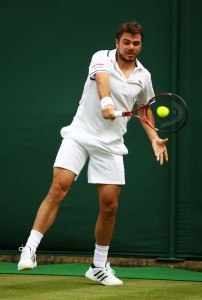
<point x="100" y="256"/>
<point x="34" y="240"/>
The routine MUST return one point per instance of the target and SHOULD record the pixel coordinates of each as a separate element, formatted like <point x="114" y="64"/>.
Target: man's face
<point x="129" y="46"/>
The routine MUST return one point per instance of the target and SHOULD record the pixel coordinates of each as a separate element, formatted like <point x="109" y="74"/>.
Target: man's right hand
<point x="108" y="112"/>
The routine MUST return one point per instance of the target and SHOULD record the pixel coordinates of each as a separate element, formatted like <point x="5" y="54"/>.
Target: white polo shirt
<point x="124" y="92"/>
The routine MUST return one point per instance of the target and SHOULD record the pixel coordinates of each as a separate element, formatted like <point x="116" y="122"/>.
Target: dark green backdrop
<point x="46" y="46"/>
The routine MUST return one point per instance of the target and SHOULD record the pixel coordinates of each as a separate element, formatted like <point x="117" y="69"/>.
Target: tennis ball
<point x="163" y="111"/>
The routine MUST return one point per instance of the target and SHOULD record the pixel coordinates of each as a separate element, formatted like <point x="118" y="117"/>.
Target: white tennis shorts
<point x="105" y="166"/>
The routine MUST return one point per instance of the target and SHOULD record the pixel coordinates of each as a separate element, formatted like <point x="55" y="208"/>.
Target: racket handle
<point x="118" y="113"/>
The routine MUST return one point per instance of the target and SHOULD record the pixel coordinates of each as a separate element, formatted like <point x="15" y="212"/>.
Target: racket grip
<point x="118" y="113"/>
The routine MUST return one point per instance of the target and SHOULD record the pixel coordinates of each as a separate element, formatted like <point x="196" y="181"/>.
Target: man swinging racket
<point x="116" y="80"/>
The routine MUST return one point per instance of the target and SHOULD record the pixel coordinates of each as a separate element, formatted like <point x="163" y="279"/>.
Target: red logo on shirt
<point x="97" y="65"/>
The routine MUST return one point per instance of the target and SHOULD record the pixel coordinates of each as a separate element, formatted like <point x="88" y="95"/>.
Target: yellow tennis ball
<point x="163" y="111"/>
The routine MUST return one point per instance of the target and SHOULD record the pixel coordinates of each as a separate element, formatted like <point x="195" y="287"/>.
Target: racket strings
<point x="176" y="117"/>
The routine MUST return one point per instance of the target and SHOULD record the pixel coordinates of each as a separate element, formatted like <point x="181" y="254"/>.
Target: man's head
<point x="130" y="27"/>
<point x="129" y="38"/>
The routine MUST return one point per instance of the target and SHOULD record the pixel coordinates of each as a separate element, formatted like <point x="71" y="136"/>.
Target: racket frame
<point x="146" y="106"/>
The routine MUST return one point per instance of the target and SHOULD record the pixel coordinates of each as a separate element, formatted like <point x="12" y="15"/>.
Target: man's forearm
<point x="151" y="133"/>
<point x="103" y="85"/>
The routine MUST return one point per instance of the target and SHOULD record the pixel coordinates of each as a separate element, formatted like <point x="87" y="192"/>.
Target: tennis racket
<point x="170" y="112"/>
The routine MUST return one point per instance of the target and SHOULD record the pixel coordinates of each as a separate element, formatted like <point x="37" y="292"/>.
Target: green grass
<point x="38" y="287"/>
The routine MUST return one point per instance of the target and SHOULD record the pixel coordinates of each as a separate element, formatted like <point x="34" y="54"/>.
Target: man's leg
<point x="108" y="202"/>
<point x="100" y="270"/>
<point x="62" y="181"/>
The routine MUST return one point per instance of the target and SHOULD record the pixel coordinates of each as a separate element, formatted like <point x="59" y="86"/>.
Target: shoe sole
<point x="26" y="267"/>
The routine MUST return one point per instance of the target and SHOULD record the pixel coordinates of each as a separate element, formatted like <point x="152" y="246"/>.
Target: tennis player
<point x="116" y="80"/>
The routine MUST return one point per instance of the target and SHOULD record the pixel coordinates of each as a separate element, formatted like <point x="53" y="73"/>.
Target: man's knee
<point x="109" y="208"/>
<point x="108" y="199"/>
<point x="58" y="191"/>
<point x="62" y="181"/>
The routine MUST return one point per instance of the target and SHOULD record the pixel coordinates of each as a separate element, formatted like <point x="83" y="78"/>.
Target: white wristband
<point x="106" y="101"/>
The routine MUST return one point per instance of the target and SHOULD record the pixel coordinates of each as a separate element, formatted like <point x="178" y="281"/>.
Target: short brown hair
<point x="132" y="27"/>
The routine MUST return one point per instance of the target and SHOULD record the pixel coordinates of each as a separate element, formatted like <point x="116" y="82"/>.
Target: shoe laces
<point x="109" y="269"/>
<point x="26" y="251"/>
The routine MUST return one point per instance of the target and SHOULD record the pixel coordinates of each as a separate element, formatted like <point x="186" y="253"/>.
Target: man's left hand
<point x="160" y="149"/>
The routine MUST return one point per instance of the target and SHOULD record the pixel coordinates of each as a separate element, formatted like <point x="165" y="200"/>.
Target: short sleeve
<point x="99" y="63"/>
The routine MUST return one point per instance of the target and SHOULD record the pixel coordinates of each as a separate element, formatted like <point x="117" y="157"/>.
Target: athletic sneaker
<point x="27" y="259"/>
<point x="105" y="275"/>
